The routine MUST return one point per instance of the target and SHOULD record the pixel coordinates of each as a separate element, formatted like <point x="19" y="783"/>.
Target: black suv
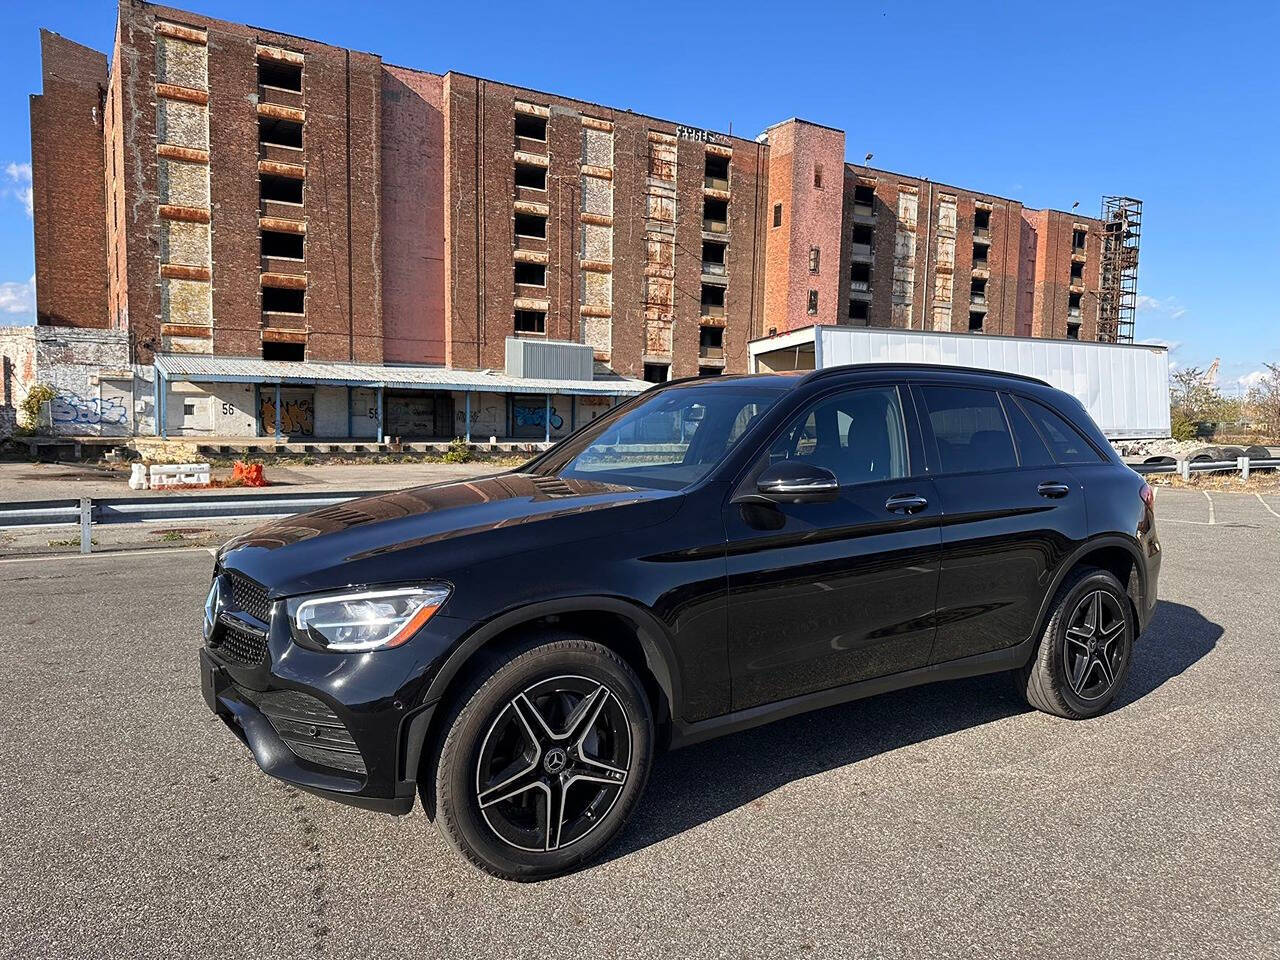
<point x="708" y="556"/>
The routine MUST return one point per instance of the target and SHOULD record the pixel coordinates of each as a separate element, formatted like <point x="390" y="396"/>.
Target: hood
<point x="437" y="530"/>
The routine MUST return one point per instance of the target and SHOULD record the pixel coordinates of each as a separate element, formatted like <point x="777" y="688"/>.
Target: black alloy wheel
<point x="545" y="755"/>
<point x="1094" y="645"/>
<point x="553" y="763"/>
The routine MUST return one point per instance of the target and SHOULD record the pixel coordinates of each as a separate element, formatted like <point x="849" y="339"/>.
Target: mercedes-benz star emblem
<point x="213" y="606"/>
<point x="555" y="760"/>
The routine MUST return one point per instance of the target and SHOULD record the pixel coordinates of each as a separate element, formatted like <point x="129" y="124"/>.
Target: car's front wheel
<point x="1084" y="654"/>
<point x="545" y="757"/>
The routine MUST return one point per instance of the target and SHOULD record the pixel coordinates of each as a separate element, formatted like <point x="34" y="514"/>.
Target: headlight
<point x="368" y="620"/>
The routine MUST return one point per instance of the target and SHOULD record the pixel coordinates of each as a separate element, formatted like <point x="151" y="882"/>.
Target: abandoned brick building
<point x="284" y="228"/>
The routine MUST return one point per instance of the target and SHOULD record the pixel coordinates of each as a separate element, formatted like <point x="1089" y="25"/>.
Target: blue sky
<point x="1012" y="99"/>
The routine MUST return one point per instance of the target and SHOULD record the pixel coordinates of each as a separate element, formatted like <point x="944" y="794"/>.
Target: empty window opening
<point x="777" y="214"/>
<point x="280" y="300"/>
<point x="656" y="372"/>
<point x="710" y="371"/>
<point x="864" y="196"/>
<point x="1073" y="304"/>
<point x="188" y="408"/>
<point x="715" y="211"/>
<point x="859" y="309"/>
<point x="717" y="172"/>
<point x="534" y="178"/>
<point x="712" y="301"/>
<point x="288" y="246"/>
<point x="531" y="127"/>
<point x="860" y="277"/>
<point x="1077" y="272"/>
<point x="815" y="259"/>
<point x="862" y="234"/>
<point x="978" y="290"/>
<point x="531" y="225"/>
<point x="531" y="274"/>
<point x="981" y="222"/>
<point x="813" y="302"/>
<point x="279" y="133"/>
<point x="285" y="76"/>
<point x="713" y="254"/>
<point x="980" y="255"/>
<point x="975" y="321"/>
<point x="531" y="321"/>
<point x="1078" y="239"/>
<point x="284" y="351"/>
<point x="1073" y="331"/>
<point x="281" y="189"/>
<point x="817" y="176"/>
<point x="711" y="342"/>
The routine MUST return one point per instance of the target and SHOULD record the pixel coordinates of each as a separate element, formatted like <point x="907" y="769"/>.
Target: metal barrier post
<point x="1243" y="464"/>
<point x="86" y="525"/>
<point x="1184" y="468"/>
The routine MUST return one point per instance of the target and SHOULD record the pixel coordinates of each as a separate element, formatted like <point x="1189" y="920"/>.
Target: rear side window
<point x="1032" y="451"/>
<point x="970" y="429"/>
<point x="1066" y="442"/>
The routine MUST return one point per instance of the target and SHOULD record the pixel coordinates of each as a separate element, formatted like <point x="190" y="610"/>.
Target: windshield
<point x="666" y="441"/>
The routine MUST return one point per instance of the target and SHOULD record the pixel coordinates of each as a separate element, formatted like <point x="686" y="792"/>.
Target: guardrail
<point x="1184" y="468"/>
<point x="87" y="511"/>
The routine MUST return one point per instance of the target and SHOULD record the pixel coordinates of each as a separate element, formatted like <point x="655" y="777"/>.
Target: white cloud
<point x="1167" y="307"/>
<point x="1252" y="379"/>
<point x="19" y="184"/>
<point x="18" y="300"/>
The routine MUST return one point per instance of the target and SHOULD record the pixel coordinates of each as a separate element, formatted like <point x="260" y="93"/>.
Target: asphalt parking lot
<point x="943" y="821"/>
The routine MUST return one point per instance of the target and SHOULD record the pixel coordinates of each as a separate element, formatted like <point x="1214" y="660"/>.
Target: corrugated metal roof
<point x="203" y="368"/>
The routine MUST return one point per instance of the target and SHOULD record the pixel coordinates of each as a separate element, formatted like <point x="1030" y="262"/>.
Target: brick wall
<point x="67" y="180"/>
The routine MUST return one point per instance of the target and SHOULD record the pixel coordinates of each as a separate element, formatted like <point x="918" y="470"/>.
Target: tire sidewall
<point x="1096" y="580"/>
<point x="458" y="808"/>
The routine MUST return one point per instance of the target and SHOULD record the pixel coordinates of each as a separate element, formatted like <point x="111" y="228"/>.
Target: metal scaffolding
<point x="1118" y="274"/>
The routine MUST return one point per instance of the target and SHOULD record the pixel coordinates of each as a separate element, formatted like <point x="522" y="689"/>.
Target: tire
<point x="1067" y="676"/>
<point x="560" y="725"/>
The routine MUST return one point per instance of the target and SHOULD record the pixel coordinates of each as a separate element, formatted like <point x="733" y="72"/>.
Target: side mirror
<point x="792" y="481"/>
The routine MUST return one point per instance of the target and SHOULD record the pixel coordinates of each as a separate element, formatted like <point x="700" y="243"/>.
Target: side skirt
<point x="994" y="661"/>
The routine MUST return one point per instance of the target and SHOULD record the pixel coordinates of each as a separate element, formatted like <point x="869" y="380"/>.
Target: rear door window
<point x="969" y="428"/>
<point x="1066" y="442"/>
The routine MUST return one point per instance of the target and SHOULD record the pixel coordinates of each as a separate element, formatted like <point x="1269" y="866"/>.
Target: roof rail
<point x="904" y="367"/>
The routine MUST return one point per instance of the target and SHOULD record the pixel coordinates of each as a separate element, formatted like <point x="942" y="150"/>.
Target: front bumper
<point x="350" y="727"/>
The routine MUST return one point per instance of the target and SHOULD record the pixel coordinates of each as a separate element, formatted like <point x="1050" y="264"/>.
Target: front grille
<point x="249" y="595"/>
<point x="308" y="727"/>
<point x="237" y="645"/>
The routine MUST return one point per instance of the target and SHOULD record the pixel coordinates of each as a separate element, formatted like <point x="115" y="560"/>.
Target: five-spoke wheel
<point x="547" y="752"/>
<point x="553" y="763"/>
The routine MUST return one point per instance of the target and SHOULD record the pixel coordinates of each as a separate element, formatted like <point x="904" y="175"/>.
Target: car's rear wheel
<point x="545" y="757"/>
<point x="1083" y="657"/>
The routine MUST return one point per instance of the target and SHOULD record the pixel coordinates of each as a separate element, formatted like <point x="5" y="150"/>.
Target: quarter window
<point x="858" y="435"/>
<point x="1032" y="451"/>
<point x="969" y="428"/>
<point x="1066" y="442"/>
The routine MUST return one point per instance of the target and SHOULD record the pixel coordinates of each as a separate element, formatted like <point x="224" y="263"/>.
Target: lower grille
<point x="308" y="727"/>
<point x="238" y="646"/>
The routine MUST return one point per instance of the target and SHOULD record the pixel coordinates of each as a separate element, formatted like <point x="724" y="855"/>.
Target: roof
<point x="204" y="368"/>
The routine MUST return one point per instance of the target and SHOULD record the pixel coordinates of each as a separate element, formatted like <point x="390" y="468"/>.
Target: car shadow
<point x="697" y="784"/>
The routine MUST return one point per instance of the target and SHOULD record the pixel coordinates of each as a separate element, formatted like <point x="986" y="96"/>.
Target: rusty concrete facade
<point x="246" y="193"/>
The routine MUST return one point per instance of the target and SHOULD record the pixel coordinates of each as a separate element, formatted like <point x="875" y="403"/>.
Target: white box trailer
<point x="1125" y="387"/>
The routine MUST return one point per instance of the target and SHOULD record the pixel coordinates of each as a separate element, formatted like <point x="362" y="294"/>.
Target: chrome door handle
<point x="1052" y="490"/>
<point x="906" y="503"/>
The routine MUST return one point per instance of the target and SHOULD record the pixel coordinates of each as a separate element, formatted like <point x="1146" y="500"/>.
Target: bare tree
<point x="1263" y="402"/>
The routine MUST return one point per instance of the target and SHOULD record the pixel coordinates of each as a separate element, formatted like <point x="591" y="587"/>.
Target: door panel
<point x="1005" y="530"/>
<point x="824" y="594"/>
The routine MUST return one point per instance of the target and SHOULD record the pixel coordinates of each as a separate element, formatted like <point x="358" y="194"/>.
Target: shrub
<point x="39" y="394"/>
<point x="458" y="452"/>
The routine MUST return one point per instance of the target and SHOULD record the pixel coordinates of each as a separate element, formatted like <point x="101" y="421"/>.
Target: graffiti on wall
<point x="529" y="414"/>
<point x="297" y="415"/>
<point x="71" y="408"/>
